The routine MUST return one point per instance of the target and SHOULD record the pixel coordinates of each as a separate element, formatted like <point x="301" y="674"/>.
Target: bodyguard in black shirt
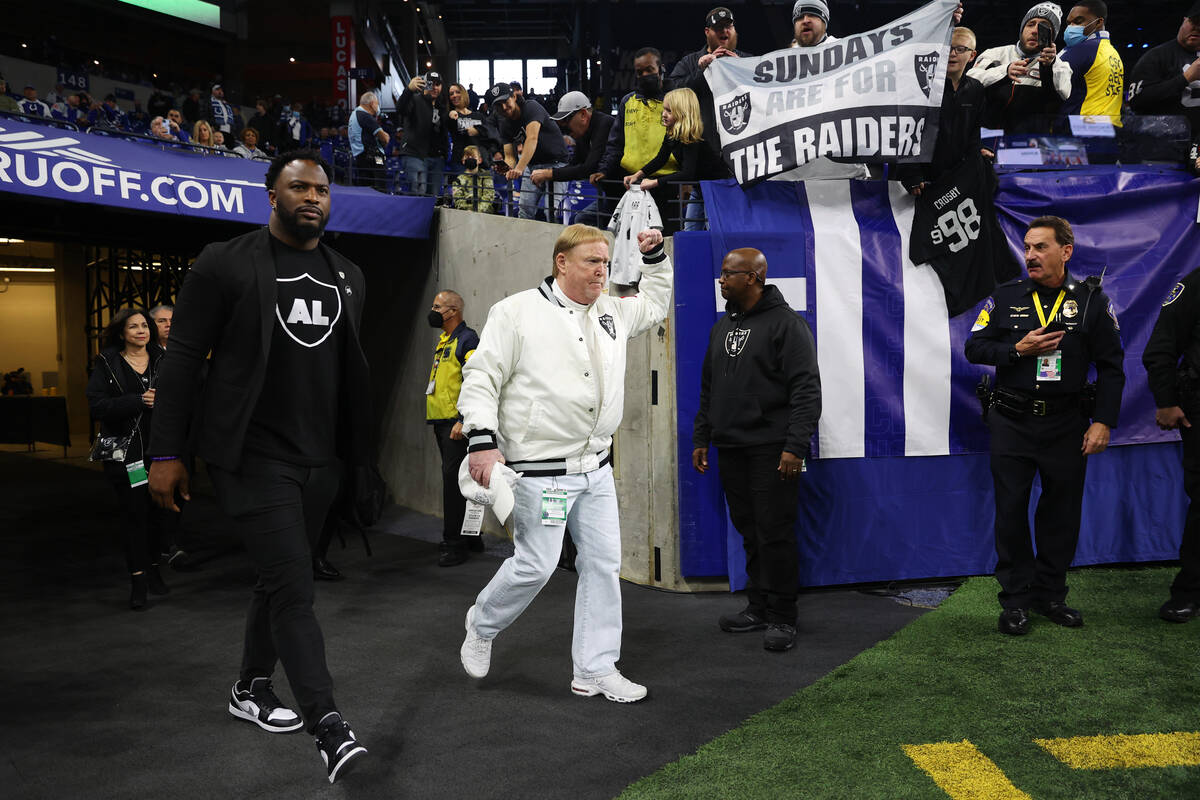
<point x="283" y="401"/>
<point x="1042" y="334"/>
<point x="1172" y="360"/>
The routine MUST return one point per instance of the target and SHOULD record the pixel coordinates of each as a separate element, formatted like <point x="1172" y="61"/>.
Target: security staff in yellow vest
<point x="454" y="347"/>
<point x="638" y="133"/>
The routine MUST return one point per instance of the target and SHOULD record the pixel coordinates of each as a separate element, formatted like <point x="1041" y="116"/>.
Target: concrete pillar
<point x="73" y="356"/>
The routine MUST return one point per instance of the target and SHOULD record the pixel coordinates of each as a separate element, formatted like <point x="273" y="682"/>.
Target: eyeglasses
<point x="959" y="49"/>
<point x="726" y="274"/>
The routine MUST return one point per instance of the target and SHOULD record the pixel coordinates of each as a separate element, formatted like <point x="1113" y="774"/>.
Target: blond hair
<point x="573" y="236"/>
<point x="687" y="128"/>
<point x="473" y="151"/>
<point x="962" y="30"/>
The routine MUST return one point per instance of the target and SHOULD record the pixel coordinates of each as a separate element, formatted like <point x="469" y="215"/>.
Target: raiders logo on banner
<point x="307" y="308"/>
<point x="606" y="322"/>
<point x="735" y="115"/>
<point x="926" y="66"/>
<point x="735" y="341"/>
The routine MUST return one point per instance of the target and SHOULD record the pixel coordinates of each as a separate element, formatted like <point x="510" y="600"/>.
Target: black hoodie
<point x="760" y="384"/>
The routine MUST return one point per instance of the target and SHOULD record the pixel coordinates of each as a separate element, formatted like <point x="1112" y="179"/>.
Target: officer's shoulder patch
<point x="1112" y="313"/>
<point x="1174" y="295"/>
<point x="985" y="315"/>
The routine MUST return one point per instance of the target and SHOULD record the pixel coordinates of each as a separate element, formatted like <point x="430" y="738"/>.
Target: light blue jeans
<point x="533" y="196"/>
<point x="594" y="524"/>
<point x="424" y="174"/>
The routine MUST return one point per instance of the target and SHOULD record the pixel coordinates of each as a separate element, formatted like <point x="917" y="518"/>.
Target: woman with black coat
<point x="120" y="395"/>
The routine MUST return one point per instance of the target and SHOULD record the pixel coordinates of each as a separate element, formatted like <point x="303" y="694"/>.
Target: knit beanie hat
<point x="817" y="8"/>
<point x="1047" y="11"/>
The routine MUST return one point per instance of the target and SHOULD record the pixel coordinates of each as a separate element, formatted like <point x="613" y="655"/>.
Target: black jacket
<point x="227" y="306"/>
<point x="697" y="162"/>
<point x="424" y="120"/>
<point x="588" y="150"/>
<point x="760" y="383"/>
<point x="957" y="135"/>
<point x="1092" y="337"/>
<point x="114" y="394"/>
<point x="1176" y="336"/>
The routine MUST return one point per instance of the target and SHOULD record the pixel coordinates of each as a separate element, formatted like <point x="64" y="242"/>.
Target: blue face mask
<point x="1073" y="35"/>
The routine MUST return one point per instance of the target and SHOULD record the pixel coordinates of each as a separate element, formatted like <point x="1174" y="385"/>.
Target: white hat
<point x="497" y="494"/>
<point x="569" y="104"/>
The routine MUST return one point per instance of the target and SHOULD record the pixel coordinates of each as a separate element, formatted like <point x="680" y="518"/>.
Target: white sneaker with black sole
<point x="614" y="686"/>
<point x="258" y="704"/>
<point x="337" y="745"/>
<point x="476" y="652"/>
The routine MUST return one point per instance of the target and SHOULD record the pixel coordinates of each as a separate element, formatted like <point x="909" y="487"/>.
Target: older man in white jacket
<point x="544" y="392"/>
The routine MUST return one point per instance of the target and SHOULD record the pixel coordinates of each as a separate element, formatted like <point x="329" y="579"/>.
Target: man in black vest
<point x="282" y="403"/>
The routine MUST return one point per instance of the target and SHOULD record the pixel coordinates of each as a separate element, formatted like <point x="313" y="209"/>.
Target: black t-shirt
<point x="297" y="413"/>
<point x="369" y="126"/>
<point x="550" y="146"/>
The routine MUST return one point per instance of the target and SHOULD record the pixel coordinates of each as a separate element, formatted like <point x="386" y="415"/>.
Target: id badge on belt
<point x="1049" y="366"/>
<point x="554" y="506"/>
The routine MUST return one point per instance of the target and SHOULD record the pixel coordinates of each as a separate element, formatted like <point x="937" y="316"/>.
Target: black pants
<point x="367" y="172"/>
<point x="763" y="509"/>
<point x="142" y="528"/>
<point x="454" y="505"/>
<point x="1187" y="582"/>
<point x="278" y="509"/>
<point x="1051" y="447"/>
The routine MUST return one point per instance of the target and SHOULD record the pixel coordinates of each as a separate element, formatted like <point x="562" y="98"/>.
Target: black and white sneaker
<point x="337" y="745"/>
<point x="258" y="704"/>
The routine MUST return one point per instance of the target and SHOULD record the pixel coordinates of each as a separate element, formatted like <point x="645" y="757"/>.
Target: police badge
<point x="735" y="341"/>
<point x="925" y="65"/>
<point x="735" y="115"/>
<point x="606" y="322"/>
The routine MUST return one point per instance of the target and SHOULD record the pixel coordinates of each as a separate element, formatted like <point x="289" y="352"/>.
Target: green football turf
<point x="951" y="676"/>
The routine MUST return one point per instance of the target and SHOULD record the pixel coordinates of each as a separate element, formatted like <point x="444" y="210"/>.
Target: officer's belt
<point x="1016" y="402"/>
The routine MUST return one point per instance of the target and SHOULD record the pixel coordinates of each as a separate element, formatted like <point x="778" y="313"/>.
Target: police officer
<point x="1175" y="385"/>
<point x="1042" y="334"/>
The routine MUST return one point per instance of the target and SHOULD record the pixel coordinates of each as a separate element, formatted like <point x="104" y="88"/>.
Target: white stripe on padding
<point x="927" y="357"/>
<point x="838" y="272"/>
<point x="794" y="290"/>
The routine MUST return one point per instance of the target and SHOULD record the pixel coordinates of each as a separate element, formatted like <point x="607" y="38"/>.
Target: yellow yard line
<point x="963" y="772"/>
<point x="1122" y="752"/>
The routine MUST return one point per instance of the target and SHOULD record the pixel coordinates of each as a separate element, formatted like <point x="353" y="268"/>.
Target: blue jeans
<point x="424" y="174"/>
<point x="693" y="213"/>
<point x="533" y="196"/>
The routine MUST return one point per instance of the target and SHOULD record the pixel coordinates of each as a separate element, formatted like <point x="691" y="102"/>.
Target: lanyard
<point x="1037" y="304"/>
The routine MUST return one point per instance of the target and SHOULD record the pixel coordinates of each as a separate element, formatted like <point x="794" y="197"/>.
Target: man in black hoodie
<point x="760" y="399"/>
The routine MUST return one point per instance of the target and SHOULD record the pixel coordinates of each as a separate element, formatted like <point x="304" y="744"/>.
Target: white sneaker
<point x="614" y="686"/>
<point x="476" y="652"/>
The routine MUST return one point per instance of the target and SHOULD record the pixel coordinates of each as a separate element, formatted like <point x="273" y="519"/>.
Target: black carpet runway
<point x="101" y="702"/>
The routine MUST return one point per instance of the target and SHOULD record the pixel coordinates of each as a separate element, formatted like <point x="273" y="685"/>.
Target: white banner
<point x="871" y="97"/>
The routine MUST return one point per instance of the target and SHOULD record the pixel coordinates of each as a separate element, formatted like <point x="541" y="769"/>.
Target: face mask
<point x="435" y="319"/>
<point x="471" y="163"/>
<point x="1074" y="34"/>
<point x="650" y="85"/>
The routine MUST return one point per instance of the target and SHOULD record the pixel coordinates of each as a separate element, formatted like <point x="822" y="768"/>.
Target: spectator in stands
<point x="638" y="133"/>
<point x="160" y="103"/>
<point x="32" y="106"/>
<point x="248" y="148"/>
<point x="720" y="39"/>
<point x="684" y="142"/>
<point x="590" y="129"/>
<point x="423" y="114"/>
<point x="108" y="115"/>
<point x="1166" y="80"/>
<point x="138" y="120"/>
<point x="367" y="140"/>
<point x="1026" y="81"/>
<point x="473" y="188"/>
<point x="219" y="140"/>
<point x="543" y="146"/>
<point x="7" y="101"/>
<point x="472" y="97"/>
<point x="958" y="123"/>
<point x="221" y="113"/>
<point x="263" y="123"/>
<point x="159" y="130"/>
<point x="465" y="124"/>
<point x="202" y="133"/>
<point x="120" y="396"/>
<point x="295" y="131"/>
<point x="810" y="23"/>
<point x="1097" y="72"/>
<point x="56" y="95"/>
<point x="175" y="123"/>
<point x="515" y="88"/>
<point x="192" y="110"/>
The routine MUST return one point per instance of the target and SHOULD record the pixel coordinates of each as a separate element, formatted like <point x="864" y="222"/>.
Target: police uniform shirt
<point x="1176" y="334"/>
<point x="296" y="418"/>
<point x="1092" y="336"/>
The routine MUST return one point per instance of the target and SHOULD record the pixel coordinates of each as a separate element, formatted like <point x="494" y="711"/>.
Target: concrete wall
<point x="485" y="259"/>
